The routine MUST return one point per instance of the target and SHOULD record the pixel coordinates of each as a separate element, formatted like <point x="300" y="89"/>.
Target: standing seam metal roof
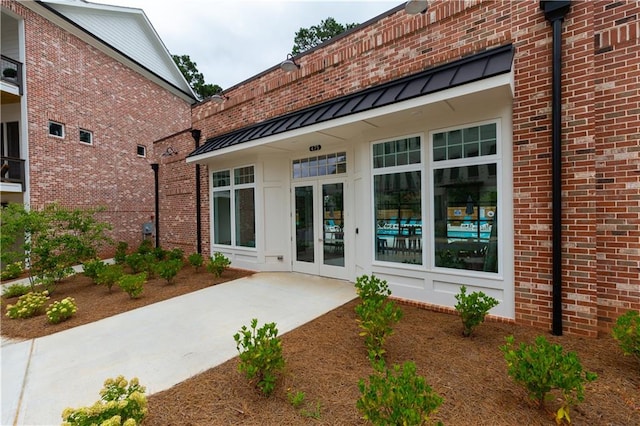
<point x="466" y="70"/>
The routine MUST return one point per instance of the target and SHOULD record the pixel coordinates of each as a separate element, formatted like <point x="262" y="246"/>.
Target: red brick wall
<point x="617" y="152"/>
<point x="178" y="195"/>
<point x="73" y="83"/>
<point x="600" y="132"/>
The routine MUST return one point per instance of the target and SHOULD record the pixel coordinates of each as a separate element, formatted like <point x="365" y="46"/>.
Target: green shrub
<point x="376" y="314"/>
<point x="11" y="271"/>
<point x="473" y="308"/>
<point x="175" y="254"/>
<point x="196" y="260"/>
<point x="543" y="367"/>
<point x="260" y="354"/>
<point x="397" y="397"/>
<point x="168" y="269"/>
<point x="217" y="264"/>
<point x="145" y="247"/>
<point x="121" y="402"/>
<point x="133" y="284"/>
<point x="16" y="290"/>
<point x="29" y="305"/>
<point x="62" y="310"/>
<point x="91" y="268"/>
<point x="160" y="254"/>
<point x="137" y="262"/>
<point x="109" y="275"/>
<point x="627" y="332"/>
<point x="121" y="252"/>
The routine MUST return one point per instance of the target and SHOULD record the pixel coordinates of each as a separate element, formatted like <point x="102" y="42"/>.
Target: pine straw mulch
<point x="96" y="302"/>
<point x="325" y="359"/>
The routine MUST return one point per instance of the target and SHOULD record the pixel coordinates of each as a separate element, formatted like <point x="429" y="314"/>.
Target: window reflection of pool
<point x="469" y="230"/>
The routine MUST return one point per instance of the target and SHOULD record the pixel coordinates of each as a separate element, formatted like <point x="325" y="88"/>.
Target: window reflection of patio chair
<point x="381" y="244"/>
<point x="400" y="243"/>
<point x="4" y="170"/>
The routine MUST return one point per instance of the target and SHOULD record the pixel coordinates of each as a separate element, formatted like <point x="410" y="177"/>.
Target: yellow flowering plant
<point x="62" y="310"/>
<point x="122" y="403"/>
<point x="29" y="305"/>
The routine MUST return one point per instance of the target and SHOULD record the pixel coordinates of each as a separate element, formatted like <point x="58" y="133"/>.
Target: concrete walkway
<point x="161" y="344"/>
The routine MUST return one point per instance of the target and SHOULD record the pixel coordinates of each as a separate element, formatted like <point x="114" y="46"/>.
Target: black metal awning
<point x="466" y="70"/>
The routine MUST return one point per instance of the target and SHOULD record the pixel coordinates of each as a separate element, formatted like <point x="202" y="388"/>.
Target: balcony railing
<point x="12" y="170"/>
<point x="11" y="72"/>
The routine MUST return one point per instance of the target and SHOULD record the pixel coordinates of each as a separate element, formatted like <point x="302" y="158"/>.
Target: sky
<point x="233" y="40"/>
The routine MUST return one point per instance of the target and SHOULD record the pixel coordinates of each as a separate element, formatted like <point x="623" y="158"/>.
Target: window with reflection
<point x="397" y="193"/>
<point x="465" y="199"/>
<point x="234" y="207"/>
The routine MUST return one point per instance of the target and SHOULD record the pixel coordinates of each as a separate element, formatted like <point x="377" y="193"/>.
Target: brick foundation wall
<point x="70" y="82"/>
<point x="600" y="158"/>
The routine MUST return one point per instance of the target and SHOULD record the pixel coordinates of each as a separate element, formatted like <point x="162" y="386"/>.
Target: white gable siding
<point x="127" y="30"/>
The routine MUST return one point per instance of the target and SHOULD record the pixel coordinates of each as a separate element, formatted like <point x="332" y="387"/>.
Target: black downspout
<point x="155" y="168"/>
<point x="195" y="133"/>
<point x="555" y="12"/>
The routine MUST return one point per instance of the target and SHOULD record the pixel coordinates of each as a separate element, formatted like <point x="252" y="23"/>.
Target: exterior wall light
<point x="289" y="64"/>
<point x="413" y="7"/>
<point x="219" y="98"/>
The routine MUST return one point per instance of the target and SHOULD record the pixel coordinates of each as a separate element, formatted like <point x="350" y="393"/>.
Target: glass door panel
<point x="333" y="218"/>
<point x="304" y="238"/>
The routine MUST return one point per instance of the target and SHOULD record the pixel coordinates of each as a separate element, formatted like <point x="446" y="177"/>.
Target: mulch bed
<point x="326" y="358"/>
<point x="96" y="302"/>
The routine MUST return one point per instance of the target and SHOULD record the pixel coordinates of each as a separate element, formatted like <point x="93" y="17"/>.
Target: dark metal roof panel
<point x="466" y="70"/>
<point x="473" y="71"/>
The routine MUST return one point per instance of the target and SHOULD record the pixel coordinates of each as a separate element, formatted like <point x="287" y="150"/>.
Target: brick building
<point x="82" y="106"/>
<point x="493" y="144"/>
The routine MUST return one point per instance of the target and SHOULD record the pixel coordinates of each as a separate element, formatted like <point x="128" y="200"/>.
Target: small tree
<point x="55" y="238"/>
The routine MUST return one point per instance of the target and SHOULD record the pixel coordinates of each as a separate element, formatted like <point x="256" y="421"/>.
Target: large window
<point x="465" y="198"/>
<point x="234" y="207"/>
<point x="397" y="194"/>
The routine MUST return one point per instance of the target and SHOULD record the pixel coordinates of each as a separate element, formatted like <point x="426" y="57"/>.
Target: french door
<point x="320" y="240"/>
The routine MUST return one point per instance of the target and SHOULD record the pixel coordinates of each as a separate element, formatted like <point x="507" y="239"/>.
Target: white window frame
<point x="144" y="151"/>
<point x="420" y="167"/>
<point x="89" y="132"/>
<point x="53" y="135"/>
<point x="464" y="162"/>
<point x="232" y="188"/>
